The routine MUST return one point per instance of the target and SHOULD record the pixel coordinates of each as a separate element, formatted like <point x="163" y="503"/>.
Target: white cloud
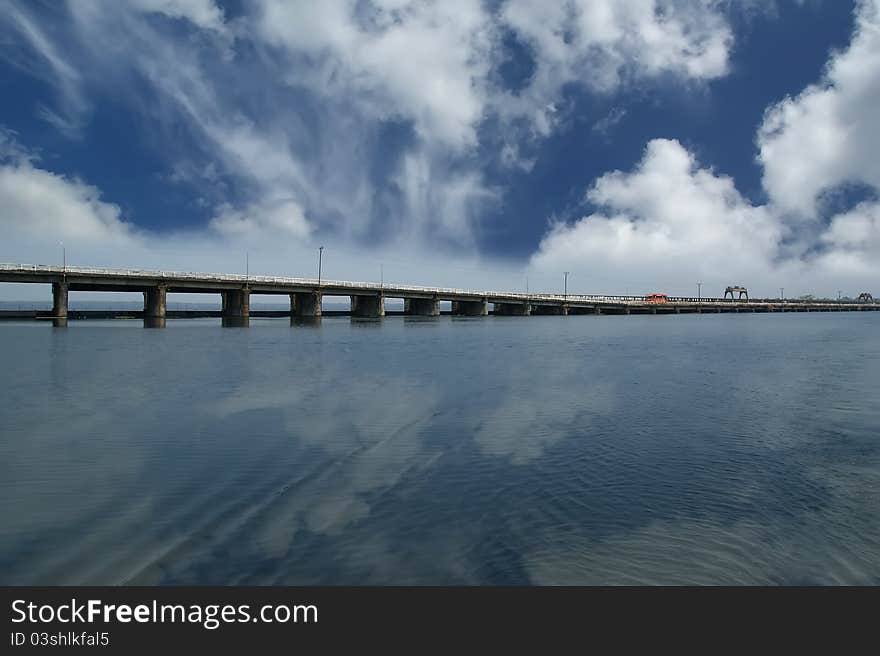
<point x="421" y="61"/>
<point x="670" y="222"/>
<point x="667" y="220"/>
<point x="289" y="99"/>
<point x="828" y="135"/>
<point x="203" y="13"/>
<point x="442" y="199"/>
<point x="602" y="44"/>
<point x="50" y="65"/>
<point x="605" y="126"/>
<point x="37" y="203"/>
<point x="852" y="243"/>
<point x="283" y="217"/>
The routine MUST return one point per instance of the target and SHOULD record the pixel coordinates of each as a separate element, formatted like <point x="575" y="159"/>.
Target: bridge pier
<point x="372" y="306"/>
<point x="237" y="304"/>
<point x="471" y="308"/>
<point x="155" y="302"/>
<point x="422" y="307"/>
<point x="306" y="304"/>
<point x="59" y="299"/>
<point x="512" y="309"/>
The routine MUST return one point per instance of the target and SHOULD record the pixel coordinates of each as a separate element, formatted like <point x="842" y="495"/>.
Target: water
<point x="556" y="450"/>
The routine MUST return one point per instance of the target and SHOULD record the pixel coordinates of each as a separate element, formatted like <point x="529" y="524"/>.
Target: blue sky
<point x="640" y="144"/>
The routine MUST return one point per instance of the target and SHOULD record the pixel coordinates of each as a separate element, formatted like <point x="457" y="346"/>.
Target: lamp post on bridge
<point x="782" y="294"/>
<point x="320" y="258"/>
<point x="63" y="259"/>
<point x="565" y="287"/>
<point x="699" y="293"/>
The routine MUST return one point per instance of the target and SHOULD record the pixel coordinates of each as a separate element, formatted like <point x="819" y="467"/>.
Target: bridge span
<point x="368" y="299"/>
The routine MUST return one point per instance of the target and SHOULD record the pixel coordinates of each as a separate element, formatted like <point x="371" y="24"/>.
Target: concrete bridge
<point x="368" y="299"/>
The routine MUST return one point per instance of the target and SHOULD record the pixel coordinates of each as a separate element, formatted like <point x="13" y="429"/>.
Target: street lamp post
<point x="247" y="266"/>
<point x="320" y="258"/>
<point x="782" y="294"/>
<point x="565" y="287"/>
<point x="63" y="259"/>
<point x="699" y="292"/>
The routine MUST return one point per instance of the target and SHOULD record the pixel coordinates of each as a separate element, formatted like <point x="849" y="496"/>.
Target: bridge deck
<point x="99" y="279"/>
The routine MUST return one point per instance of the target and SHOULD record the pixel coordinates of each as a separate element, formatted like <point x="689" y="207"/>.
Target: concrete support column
<point x="154" y="302"/>
<point x="513" y="309"/>
<point x="306" y="304"/>
<point x="59" y="299"/>
<point x="237" y="303"/>
<point x="471" y="308"/>
<point x="598" y="310"/>
<point x="368" y="306"/>
<point x="423" y="307"/>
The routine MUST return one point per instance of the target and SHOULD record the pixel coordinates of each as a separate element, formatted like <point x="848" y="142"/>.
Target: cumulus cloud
<point x="37" y="202"/>
<point x="424" y="61"/>
<point x="667" y="219"/>
<point x="829" y="134"/>
<point x="601" y="44"/>
<point x="670" y="221"/>
<point x="851" y="244"/>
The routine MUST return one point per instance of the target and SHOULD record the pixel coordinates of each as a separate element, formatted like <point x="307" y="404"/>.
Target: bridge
<point x="368" y="299"/>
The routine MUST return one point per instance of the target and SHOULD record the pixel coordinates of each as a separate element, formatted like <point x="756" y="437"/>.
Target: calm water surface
<point x="553" y="450"/>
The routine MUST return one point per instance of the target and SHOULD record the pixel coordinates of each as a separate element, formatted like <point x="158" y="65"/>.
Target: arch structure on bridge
<point x="866" y="297"/>
<point x="736" y="289"/>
